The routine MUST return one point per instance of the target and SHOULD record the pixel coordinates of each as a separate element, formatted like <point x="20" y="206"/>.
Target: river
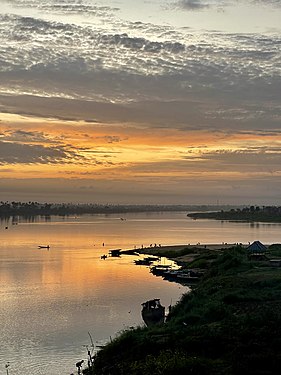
<point x="51" y="298"/>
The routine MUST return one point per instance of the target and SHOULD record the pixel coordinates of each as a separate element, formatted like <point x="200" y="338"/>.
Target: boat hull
<point x="153" y="313"/>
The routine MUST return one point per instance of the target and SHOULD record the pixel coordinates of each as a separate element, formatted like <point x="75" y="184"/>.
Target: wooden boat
<point x="152" y="257"/>
<point x="115" y="252"/>
<point x="160" y="269"/>
<point x="153" y="312"/>
<point x="182" y="275"/>
<point x="171" y="274"/>
<point x="44" y="247"/>
<point x="187" y="278"/>
<point x="143" y="262"/>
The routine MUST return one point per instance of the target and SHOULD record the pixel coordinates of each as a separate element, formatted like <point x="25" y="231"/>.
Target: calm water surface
<point x="51" y="299"/>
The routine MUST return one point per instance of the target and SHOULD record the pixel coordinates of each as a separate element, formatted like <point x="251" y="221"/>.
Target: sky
<point x="140" y="102"/>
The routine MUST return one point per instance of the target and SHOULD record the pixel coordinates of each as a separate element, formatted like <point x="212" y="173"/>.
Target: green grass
<point x="275" y="250"/>
<point x="174" y="253"/>
<point x="229" y="324"/>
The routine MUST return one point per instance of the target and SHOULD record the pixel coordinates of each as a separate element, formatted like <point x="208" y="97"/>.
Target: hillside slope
<point x="230" y="324"/>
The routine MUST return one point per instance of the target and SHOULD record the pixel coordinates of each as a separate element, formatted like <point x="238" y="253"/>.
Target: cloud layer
<point x="102" y="96"/>
<point x="60" y="59"/>
<point x="193" y="4"/>
<point x="203" y="4"/>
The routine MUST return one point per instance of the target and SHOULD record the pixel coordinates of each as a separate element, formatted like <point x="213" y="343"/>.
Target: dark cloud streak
<point x="198" y="5"/>
<point x="193" y="4"/>
<point x="15" y="153"/>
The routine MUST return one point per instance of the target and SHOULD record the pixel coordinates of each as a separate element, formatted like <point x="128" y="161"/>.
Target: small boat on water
<point x="115" y="252"/>
<point x="147" y="261"/>
<point x="153" y="258"/>
<point x="142" y="262"/>
<point x="160" y="269"/>
<point x="44" y="247"/>
<point x="187" y="278"/>
<point x="153" y="312"/>
<point x="183" y="275"/>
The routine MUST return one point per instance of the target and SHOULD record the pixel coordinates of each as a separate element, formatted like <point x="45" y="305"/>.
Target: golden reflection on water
<point x="51" y="298"/>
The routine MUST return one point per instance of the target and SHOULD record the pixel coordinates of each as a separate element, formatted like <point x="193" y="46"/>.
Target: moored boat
<point x="183" y="275"/>
<point x="147" y="261"/>
<point x="153" y="312"/>
<point x="115" y="252"/>
<point x="160" y="269"/>
<point x="143" y="262"/>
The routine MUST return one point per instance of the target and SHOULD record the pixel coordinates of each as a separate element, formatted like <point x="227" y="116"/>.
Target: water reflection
<point x="254" y="225"/>
<point x="50" y="299"/>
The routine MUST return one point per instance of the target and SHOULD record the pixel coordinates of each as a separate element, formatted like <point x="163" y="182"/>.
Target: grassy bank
<point x="229" y="324"/>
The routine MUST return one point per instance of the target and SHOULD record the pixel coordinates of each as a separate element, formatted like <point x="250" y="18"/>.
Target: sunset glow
<point x="103" y="103"/>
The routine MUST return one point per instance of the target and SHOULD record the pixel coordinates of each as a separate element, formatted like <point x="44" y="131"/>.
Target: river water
<point x="51" y="298"/>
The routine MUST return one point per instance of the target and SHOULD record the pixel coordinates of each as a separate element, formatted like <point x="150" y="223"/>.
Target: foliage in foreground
<point x="230" y="324"/>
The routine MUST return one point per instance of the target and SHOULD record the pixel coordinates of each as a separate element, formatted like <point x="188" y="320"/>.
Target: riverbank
<point x="186" y="253"/>
<point x="229" y="324"/>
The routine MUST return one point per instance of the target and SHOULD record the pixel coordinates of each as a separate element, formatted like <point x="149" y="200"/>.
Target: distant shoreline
<point x="8" y="209"/>
<point x="266" y="214"/>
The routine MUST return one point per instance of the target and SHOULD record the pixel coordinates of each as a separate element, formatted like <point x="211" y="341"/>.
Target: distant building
<point x="257" y="248"/>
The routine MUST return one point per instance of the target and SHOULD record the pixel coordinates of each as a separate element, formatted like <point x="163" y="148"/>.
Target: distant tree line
<point x="251" y="213"/>
<point x="35" y="208"/>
